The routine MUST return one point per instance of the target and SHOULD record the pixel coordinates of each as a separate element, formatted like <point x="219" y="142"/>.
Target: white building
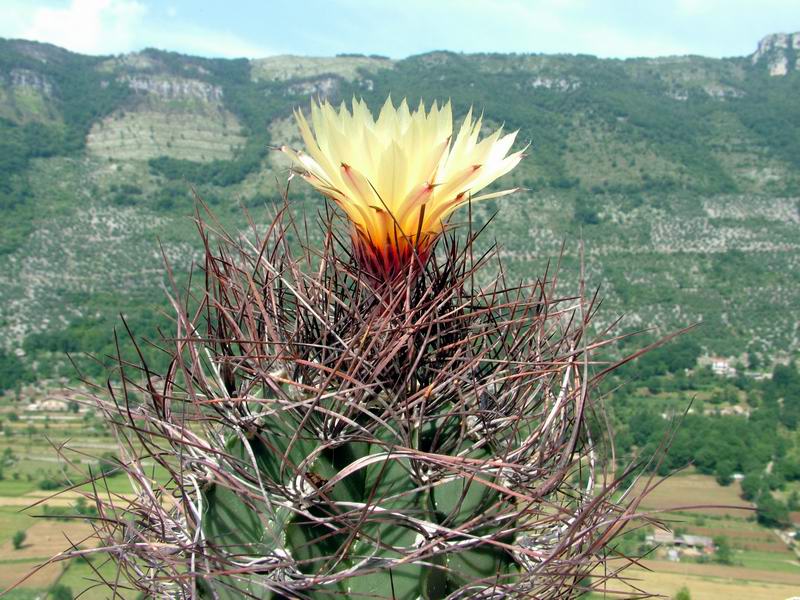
<point x="721" y="366"/>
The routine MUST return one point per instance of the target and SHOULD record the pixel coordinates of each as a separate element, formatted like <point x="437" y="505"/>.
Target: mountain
<point x="680" y="174"/>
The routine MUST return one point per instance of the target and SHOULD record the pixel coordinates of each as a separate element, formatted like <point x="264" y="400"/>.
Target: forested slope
<point x="681" y="174"/>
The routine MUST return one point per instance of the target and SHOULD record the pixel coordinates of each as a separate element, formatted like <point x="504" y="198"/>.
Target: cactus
<point x="327" y="436"/>
<point x="345" y="419"/>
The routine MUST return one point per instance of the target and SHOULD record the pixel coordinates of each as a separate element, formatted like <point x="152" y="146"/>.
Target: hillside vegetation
<point x="681" y="175"/>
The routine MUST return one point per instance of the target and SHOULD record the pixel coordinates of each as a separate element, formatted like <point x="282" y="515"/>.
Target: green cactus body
<point x="361" y="523"/>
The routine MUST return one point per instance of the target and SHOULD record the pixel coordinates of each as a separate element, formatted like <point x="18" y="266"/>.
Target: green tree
<point x="771" y="512"/>
<point x="18" y="539"/>
<point x="585" y="212"/>
<point x="81" y="507"/>
<point x="109" y="465"/>
<point x="683" y="594"/>
<point x="752" y="486"/>
<point x="61" y="592"/>
<point x="724" y="472"/>
<point x="724" y="553"/>
<point x="12" y="370"/>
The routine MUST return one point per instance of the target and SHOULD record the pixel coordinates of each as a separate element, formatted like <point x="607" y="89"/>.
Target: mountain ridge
<point x="766" y="43"/>
<point x="681" y="174"/>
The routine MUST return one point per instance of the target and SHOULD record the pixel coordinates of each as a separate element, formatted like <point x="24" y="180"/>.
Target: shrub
<point x="61" y="592"/>
<point x="18" y="539"/>
<point x="723" y="553"/>
<point x="51" y="483"/>
<point x="683" y="594"/>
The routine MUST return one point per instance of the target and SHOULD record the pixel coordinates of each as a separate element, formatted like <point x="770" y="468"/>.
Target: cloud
<point x="117" y="26"/>
<point x="88" y="26"/>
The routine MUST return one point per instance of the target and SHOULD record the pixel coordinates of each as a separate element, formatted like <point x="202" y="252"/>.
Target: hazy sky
<point x="398" y="28"/>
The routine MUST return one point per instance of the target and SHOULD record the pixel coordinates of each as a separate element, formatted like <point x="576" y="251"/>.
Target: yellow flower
<point x="398" y="178"/>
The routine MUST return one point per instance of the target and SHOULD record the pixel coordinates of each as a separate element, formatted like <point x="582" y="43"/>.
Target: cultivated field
<point x="697" y="494"/>
<point x="50" y="518"/>
<point x="762" y="568"/>
<point x="708" y="587"/>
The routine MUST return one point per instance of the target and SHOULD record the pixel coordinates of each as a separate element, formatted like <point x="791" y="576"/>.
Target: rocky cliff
<point x="779" y="53"/>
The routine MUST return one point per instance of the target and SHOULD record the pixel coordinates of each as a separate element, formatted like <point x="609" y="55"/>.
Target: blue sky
<point x="399" y="28"/>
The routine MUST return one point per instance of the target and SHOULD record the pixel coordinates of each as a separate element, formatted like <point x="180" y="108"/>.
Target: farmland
<point x="53" y="520"/>
<point x="761" y="565"/>
<point x="706" y="586"/>
<point x="691" y="490"/>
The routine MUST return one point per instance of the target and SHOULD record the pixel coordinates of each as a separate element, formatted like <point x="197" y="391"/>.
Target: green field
<point x="758" y="558"/>
<point x="32" y="500"/>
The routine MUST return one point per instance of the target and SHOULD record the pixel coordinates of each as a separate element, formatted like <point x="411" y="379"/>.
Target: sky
<point x="400" y="28"/>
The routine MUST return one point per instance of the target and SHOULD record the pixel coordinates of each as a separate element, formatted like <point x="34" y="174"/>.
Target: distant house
<point x="722" y="367"/>
<point x="48" y="405"/>
<point x="661" y="537"/>
<point x="677" y="544"/>
<point x="759" y="375"/>
<point x="697" y="542"/>
<point x="736" y="409"/>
